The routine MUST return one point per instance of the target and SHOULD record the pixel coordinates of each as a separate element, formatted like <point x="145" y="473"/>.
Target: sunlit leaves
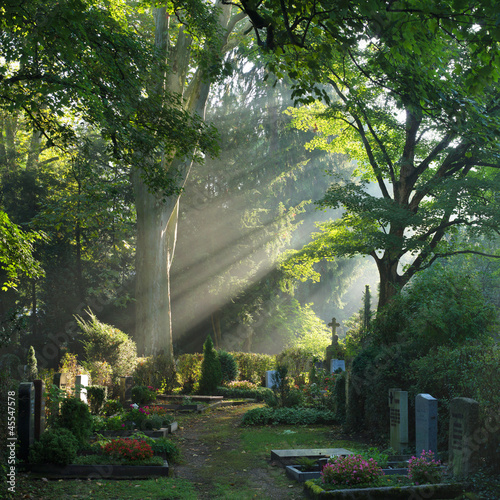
<point x="16" y="252"/>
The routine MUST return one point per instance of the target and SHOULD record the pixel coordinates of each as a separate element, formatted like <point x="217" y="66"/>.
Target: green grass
<point x="153" y="489"/>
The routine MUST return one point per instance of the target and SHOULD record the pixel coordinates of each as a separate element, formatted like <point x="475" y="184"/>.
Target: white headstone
<point x="425" y="423"/>
<point x="81" y="383"/>
<point x="270" y="383"/>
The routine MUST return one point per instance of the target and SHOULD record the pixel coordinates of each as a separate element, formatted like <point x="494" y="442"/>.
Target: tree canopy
<point x="410" y="93"/>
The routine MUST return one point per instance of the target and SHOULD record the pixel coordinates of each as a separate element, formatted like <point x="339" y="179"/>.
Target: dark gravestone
<point x="425" y="423"/>
<point x="26" y="423"/>
<point x="39" y="407"/>
<point x="463" y="450"/>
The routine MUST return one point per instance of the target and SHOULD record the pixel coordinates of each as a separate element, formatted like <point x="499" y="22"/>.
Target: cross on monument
<point x="334" y="325"/>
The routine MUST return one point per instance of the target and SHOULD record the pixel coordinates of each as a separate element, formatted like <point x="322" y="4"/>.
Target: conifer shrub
<point x="96" y="396"/>
<point x="57" y="446"/>
<point x="32" y="365"/>
<point x="229" y="367"/>
<point x="75" y="416"/>
<point x="211" y="373"/>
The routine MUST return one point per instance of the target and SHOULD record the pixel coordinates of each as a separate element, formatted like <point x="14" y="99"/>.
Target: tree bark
<point x="157" y="218"/>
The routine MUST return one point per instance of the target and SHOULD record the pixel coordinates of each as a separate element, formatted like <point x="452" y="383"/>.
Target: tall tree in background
<point x="417" y="105"/>
<point x="191" y="40"/>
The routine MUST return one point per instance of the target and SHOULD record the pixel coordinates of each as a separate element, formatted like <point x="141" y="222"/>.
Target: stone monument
<point x="39" y="414"/>
<point x="333" y="351"/>
<point x="26" y="422"/>
<point x="398" y="414"/>
<point x="464" y="421"/>
<point x="425" y="423"/>
<point x="81" y="383"/>
<point x="270" y="382"/>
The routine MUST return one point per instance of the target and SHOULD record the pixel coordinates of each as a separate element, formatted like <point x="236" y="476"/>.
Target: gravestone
<point x="425" y="423"/>
<point x="126" y="384"/>
<point x="464" y="421"/>
<point x="335" y="364"/>
<point x="81" y="383"/>
<point x="61" y="380"/>
<point x="26" y="418"/>
<point x="39" y="414"/>
<point x="398" y="414"/>
<point x="270" y="382"/>
<point x="333" y="350"/>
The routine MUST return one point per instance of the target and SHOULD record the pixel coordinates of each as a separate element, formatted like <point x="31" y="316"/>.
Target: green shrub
<point x="229" y="367"/>
<point x="189" y="371"/>
<point x="96" y="396"/>
<point x="112" y="407"/>
<point x="168" y="448"/>
<point x="296" y="360"/>
<point x="156" y="371"/>
<point x="288" y="416"/>
<point x="211" y="374"/>
<point x="153" y="422"/>
<point x="56" y="446"/>
<point x="143" y="395"/>
<point x="103" y="342"/>
<point x="75" y="416"/>
<point x="253" y="366"/>
<point x="260" y="394"/>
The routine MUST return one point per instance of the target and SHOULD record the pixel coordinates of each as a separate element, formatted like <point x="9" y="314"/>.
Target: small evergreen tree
<point x="229" y="367"/>
<point x="211" y="373"/>
<point x="32" y="365"/>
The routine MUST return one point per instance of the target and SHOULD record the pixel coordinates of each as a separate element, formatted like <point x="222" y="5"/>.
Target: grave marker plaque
<point x="61" y="380"/>
<point x="26" y="423"/>
<point x="425" y="423"/>
<point x="39" y="414"/>
<point x="398" y="415"/>
<point x="335" y="364"/>
<point x="464" y="421"/>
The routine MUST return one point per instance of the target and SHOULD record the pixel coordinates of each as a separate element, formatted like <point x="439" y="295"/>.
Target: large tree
<point x="411" y="95"/>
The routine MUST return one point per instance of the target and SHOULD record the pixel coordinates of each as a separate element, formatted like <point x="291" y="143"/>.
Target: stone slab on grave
<point x="335" y="364"/>
<point x="81" y="384"/>
<point x="313" y="453"/>
<point x="39" y="414"/>
<point x="270" y="383"/>
<point x="463" y="449"/>
<point x="26" y="418"/>
<point x="398" y="415"/>
<point x="426" y="417"/>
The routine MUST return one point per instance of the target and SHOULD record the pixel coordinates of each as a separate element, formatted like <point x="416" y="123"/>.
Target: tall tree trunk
<point x="157" y="218"/>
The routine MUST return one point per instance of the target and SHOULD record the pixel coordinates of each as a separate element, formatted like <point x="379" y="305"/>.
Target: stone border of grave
<point x="76" y="471"/>
<point x="295" y="472"/>
<point x="427" y="491"/>
<point x="158" y="433"/>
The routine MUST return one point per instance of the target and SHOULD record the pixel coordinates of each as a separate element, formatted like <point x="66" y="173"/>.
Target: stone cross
<point x="334" y="325"/>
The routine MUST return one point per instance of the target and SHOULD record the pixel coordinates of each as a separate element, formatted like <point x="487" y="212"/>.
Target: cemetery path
<point x="215" y="461"/>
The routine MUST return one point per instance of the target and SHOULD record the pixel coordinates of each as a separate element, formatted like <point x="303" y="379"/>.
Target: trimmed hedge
<point x="259" y="394"/>
<point x="288" y="416"/>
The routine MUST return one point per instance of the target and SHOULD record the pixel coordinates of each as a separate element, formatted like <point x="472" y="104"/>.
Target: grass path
<point x="221" y="460"/>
